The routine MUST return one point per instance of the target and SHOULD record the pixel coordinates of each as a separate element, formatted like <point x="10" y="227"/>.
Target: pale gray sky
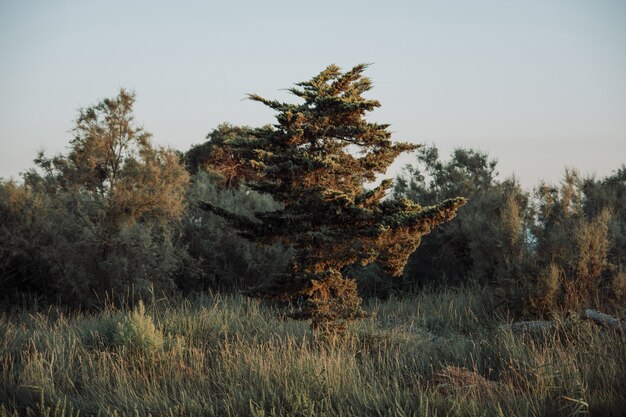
<point x="538" y="84"/>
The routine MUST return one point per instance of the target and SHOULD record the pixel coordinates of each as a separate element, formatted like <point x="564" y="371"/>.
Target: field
<point x="437" y="353"/>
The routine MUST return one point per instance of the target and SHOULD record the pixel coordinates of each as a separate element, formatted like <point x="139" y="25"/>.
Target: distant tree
<point x="113" y="162"/>
<point x="315" y="162"/>
<point x="486" y="242"/>
<point x="467" y="172"/>
<point x="609" y="193"/>
<point x="217" y="158"/>
<point x="560" y="248"/>
<point x="581" y="246"/>
<point x="108" y="207"/>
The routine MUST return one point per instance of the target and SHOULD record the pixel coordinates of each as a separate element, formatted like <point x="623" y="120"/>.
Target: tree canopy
<point x="113" y="161"/>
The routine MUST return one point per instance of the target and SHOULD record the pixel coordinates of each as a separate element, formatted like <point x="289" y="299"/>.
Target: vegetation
<point x="314" y="162"/>
<point x="99" y="220"/>
<point x="560" y="249"/>
<point x="227" y="261"/>
<point x="121" y="266"/>
<point x="439" y="353"/>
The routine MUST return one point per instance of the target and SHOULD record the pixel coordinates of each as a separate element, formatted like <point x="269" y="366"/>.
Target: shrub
<point x="137" y="332"/>
<point x="573" y="249"/>
<point x="100" y="219"/>
<point x="25" y="270"/>
<point x="488" y="242"/>
<point x="227" y="261"/>
<point x="618" y="286"/>
<point x="563" y="248"/>
<point x="544" y="293"/>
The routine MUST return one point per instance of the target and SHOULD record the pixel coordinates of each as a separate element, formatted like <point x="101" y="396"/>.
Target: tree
<point x="315" y="162"/>
<point x="216" y="156"/>
<point x="486" y="243"/>
<point x="109" y="207"/>
<point x="113" y="161"/>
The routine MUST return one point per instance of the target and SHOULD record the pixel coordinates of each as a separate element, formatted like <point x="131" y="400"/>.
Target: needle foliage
<point x="314" y="161"/>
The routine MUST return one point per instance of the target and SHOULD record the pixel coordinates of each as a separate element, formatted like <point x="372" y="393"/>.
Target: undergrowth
<point x="439" y="353"/>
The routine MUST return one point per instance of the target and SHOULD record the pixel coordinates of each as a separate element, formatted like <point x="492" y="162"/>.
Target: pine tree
<point x="315" y="162"/>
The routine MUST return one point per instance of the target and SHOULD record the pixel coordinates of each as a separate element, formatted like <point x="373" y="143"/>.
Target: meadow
<point x="449" y="352"/>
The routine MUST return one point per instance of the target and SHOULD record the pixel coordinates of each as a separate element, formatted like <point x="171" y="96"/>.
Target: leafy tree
<point x="467" y="172"/>
<point x="107" y="208"/>
<point x="314" y="162"/>
<point x="113" y="162"/>
<point x="579" y="231"/>
<point x="487" y="241"/>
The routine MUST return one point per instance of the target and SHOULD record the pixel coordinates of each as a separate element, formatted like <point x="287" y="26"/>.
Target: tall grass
<point x="440" y="353"/>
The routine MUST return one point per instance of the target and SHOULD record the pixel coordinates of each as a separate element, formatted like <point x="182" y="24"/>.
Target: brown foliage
<point x="308" y="163"/>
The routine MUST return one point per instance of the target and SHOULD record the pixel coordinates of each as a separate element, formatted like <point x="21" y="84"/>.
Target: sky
<point x="539" y="85"/>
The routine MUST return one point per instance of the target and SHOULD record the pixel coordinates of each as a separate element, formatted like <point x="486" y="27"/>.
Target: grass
<point x="435" y="354"/>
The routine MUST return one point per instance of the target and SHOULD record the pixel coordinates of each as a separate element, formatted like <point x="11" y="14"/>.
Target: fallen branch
<point x="598" y="318"/>
<point x="604" y="320"/>
<point x="532" y="326"/>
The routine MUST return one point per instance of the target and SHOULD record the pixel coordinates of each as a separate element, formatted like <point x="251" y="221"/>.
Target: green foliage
<point x="100" y="220"/>
<point x="609" y="194"/>
<point x="559" y="249"/>
<point x="576" y="232"/>
<point x="488" y="241"/>
<point x="24" y="268"/>
<point x="137" y="332"/>
<point x="113" y="165"/>
<point x="228" y="261"/>
<point x="314" y="162"/>
<point x="540" y="293"/>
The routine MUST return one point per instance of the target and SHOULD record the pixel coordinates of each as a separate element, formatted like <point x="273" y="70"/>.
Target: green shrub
<point x="561" y="248"/>
<point x="488" y="241"/>
<point x="98" y="222"/>
<point x="25" y="269"/>
<point x="227" y="261"/>
<point x="137" y="332"/>
<point x="577" y="242"/>
<point x="544" y="294"/>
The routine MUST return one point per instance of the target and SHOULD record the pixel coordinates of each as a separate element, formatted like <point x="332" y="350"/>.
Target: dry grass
<point x="435" y="354"/>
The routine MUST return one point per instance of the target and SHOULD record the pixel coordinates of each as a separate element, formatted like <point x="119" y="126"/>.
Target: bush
<point x="575" y="233"/>
<point x="99" y="221"/>
<point x="24" y="267"/>
<point x="227" y="261"/>
<point x="138" y="333"/>
<point x="487" y="243"/>
<point x="563" y="248"/>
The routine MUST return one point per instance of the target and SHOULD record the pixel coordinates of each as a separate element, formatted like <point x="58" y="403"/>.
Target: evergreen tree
<point x="314" y="162"/>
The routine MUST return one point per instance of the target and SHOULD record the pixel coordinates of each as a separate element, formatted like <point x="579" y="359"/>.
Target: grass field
<point x="439" y="353"/>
